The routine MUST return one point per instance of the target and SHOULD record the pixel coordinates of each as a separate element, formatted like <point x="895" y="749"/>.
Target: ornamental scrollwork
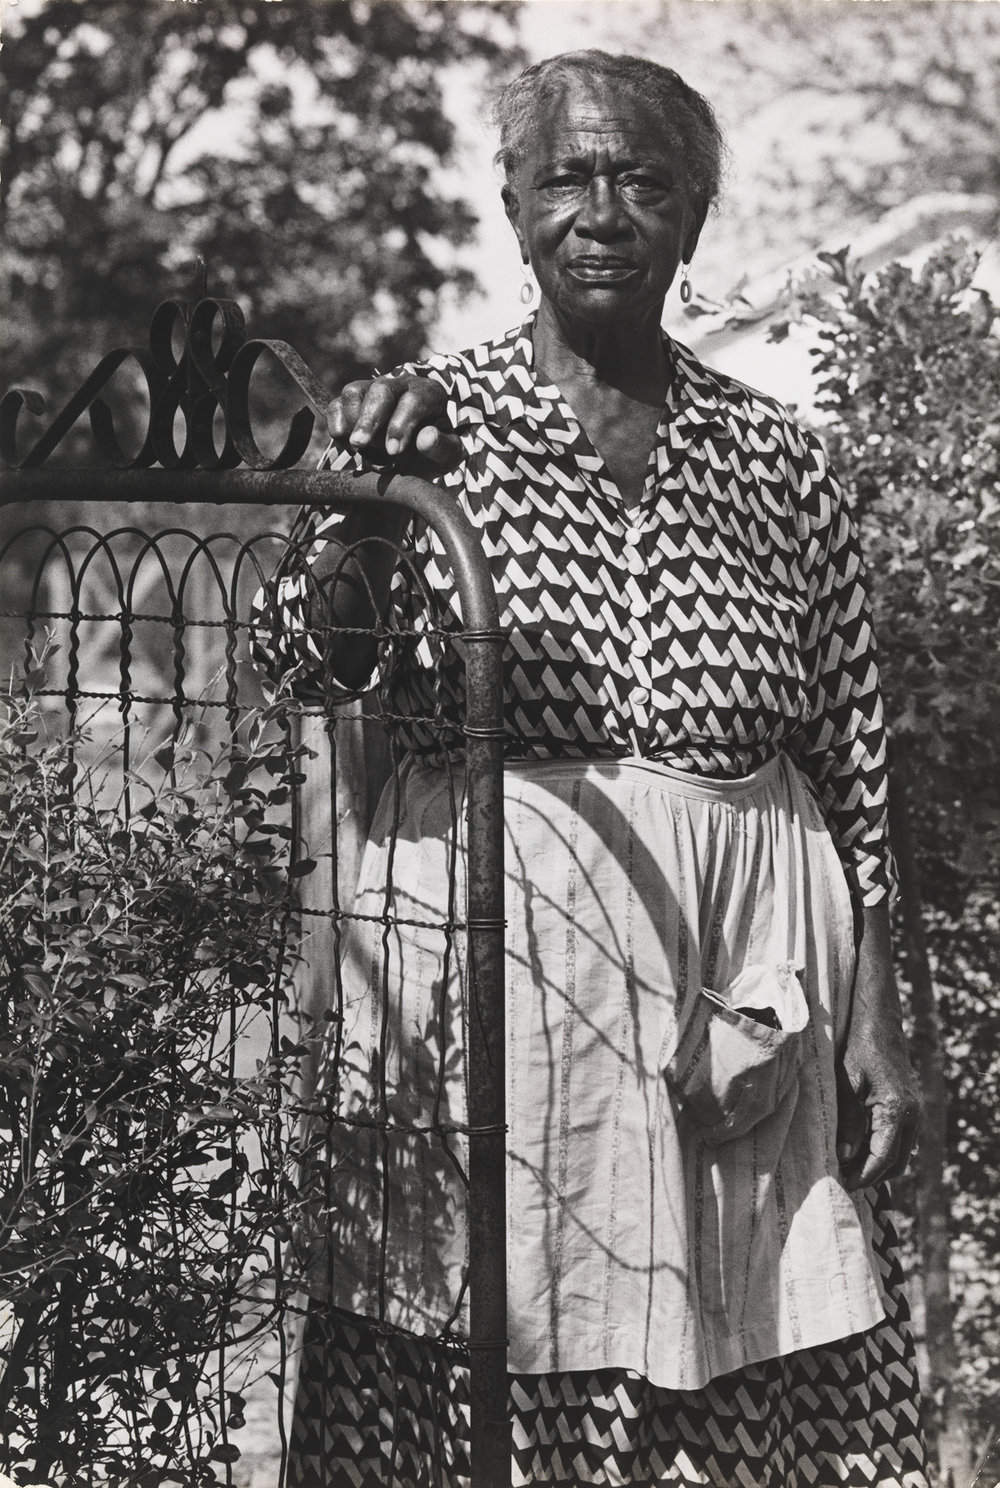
<point x="198" y="365"/>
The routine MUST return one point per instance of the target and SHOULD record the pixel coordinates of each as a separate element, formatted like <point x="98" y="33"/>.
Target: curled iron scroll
<point x="197" y="372"/>
<point x="238" y="404"/>
<point x="87" y="398"/>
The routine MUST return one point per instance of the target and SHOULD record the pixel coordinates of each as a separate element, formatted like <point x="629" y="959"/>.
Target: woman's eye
<point x="642" y="186"/>
<point x="562" y="183"/>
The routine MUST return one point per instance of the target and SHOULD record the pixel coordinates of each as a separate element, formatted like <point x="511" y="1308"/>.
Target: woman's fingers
<point x="894" y="1133"/>
<point x="882" y="1156"/>
<point x="420" y="405"/>
<point x="852" y="1122"/>
<point x="342" y="413"/>
<point x="442" y="449"/>
<point x="397" y="414"/>
<point x="875" y="1135"/>
<point x="377" y="406"/>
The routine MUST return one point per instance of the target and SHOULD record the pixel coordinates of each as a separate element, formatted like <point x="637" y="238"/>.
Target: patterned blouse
<point x="721" y="621"/>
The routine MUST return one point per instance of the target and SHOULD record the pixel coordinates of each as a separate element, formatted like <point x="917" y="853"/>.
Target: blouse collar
<point x="695" y="397"/>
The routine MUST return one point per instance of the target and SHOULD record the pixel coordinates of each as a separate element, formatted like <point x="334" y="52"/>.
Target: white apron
<point x="673" y="1200"/>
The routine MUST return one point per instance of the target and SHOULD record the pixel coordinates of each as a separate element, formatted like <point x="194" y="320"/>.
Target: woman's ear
<point x="512" y="207"/>
<point x="698" y="215"/>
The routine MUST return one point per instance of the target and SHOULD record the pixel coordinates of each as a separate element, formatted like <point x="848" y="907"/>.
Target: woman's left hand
<point x="878" y="1095"/>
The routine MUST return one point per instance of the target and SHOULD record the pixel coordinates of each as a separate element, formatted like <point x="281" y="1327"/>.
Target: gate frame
<point x="197" y="384"/>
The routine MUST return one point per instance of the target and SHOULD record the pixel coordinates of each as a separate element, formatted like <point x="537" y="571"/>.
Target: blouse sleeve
<point x="284" y="644"/>
<point x="842" y="743"/>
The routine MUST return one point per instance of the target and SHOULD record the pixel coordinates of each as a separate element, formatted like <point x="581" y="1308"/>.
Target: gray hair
<point x="688" y="118"/>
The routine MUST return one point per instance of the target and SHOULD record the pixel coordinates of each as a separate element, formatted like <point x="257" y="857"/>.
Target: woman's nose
<point x="600" y="214"/>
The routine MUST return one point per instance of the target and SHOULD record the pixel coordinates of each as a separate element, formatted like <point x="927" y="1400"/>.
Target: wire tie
<point x="498" y="1128"/>
<point x="483" y="635"/>
<point x="471" y="732"/>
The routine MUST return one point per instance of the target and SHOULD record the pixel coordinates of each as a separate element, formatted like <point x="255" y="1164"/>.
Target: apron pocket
<point x="738" y="1051"/>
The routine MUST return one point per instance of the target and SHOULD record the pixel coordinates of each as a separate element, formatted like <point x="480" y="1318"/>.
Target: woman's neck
<point x="630" y="359"/>
<point x="615" y="384"/>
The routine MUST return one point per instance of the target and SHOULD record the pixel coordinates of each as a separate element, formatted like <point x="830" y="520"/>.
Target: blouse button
<point x="633" y="536"/>
<point x="640" y="694"/>
<point x="635" y="563"/>
<point x="640" y="646"/>
<point x="639" y="608"/>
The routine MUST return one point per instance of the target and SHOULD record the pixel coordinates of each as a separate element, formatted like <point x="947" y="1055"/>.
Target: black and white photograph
<point x="500" y="744"/>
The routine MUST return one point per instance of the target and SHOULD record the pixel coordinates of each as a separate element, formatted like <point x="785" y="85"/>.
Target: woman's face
<point x="600" y="207"/>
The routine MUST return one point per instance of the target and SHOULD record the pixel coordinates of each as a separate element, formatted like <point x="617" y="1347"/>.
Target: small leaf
<point x="162" y="1415"/>
<point x="225" y="1452"/>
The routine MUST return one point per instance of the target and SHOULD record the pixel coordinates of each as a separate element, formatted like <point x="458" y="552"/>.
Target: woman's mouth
<point x="601" y="270"/>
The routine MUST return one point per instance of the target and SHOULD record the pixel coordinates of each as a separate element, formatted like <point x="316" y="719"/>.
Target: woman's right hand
<point x="400" y="417"/>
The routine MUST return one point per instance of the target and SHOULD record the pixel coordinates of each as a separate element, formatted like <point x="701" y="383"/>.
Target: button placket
<point x="640" y="645"/>
<point x="635" y="557"/>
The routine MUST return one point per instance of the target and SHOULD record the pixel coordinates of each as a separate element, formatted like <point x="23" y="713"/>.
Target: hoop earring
<point x="685" y="286"/>
<point x="527" y="288"/>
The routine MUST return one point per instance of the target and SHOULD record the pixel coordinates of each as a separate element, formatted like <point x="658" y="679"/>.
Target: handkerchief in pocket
<point x="731" y="1067"/>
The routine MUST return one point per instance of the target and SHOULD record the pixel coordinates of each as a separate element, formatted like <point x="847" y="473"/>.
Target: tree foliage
<point x="909" y="372"/>
<point x="918" y="88"/>
<point x="297" y="146"/>
<point x="836" y="112"/>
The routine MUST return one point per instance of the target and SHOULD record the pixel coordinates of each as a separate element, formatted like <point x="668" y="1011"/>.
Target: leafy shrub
<point x="909" y="373"/>
<point x="147" y="1158"/>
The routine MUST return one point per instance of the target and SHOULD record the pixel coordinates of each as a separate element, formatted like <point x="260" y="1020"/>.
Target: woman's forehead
<point x="587" y="113"/>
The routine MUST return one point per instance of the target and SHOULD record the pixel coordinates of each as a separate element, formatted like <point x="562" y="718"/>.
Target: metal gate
<point x="138" y="715"/>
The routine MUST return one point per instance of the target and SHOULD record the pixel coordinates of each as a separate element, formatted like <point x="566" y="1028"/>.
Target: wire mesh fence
<point x="232" y="1090"/>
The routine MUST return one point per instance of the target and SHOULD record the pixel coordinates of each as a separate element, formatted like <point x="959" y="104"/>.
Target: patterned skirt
<point x="381" y="1409"/>
<point x="692" y="1295"/>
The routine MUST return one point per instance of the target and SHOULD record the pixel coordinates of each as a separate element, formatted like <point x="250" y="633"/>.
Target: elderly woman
<point x="708" y="1082"/>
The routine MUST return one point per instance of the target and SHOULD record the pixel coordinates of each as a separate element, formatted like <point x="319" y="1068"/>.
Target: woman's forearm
<point x="874" y="978"/>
